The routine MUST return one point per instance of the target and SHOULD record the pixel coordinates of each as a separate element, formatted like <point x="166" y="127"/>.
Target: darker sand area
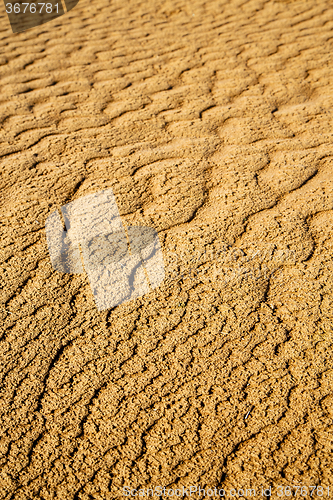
<point x="212" y="122"/>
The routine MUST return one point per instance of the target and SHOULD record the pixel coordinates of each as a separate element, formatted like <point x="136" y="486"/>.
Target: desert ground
<point x="212" y="123"/>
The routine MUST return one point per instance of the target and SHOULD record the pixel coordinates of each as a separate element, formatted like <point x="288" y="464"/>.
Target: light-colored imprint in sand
<point x="121" y="265"/>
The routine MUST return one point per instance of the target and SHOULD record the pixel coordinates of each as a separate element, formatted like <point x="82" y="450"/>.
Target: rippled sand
<point x="212" y="123"/>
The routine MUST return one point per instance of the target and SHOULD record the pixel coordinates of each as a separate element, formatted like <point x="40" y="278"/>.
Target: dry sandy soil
<point x="212" y="122"/>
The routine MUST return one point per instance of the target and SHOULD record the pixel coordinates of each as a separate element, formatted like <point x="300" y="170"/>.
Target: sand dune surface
<point x="211" y="121"/>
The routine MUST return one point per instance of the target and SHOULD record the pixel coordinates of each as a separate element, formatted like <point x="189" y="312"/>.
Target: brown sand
<point x="212" y="122"/>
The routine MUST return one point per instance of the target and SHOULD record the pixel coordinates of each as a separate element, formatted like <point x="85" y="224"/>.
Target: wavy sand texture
<point x="212" y="123"/>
